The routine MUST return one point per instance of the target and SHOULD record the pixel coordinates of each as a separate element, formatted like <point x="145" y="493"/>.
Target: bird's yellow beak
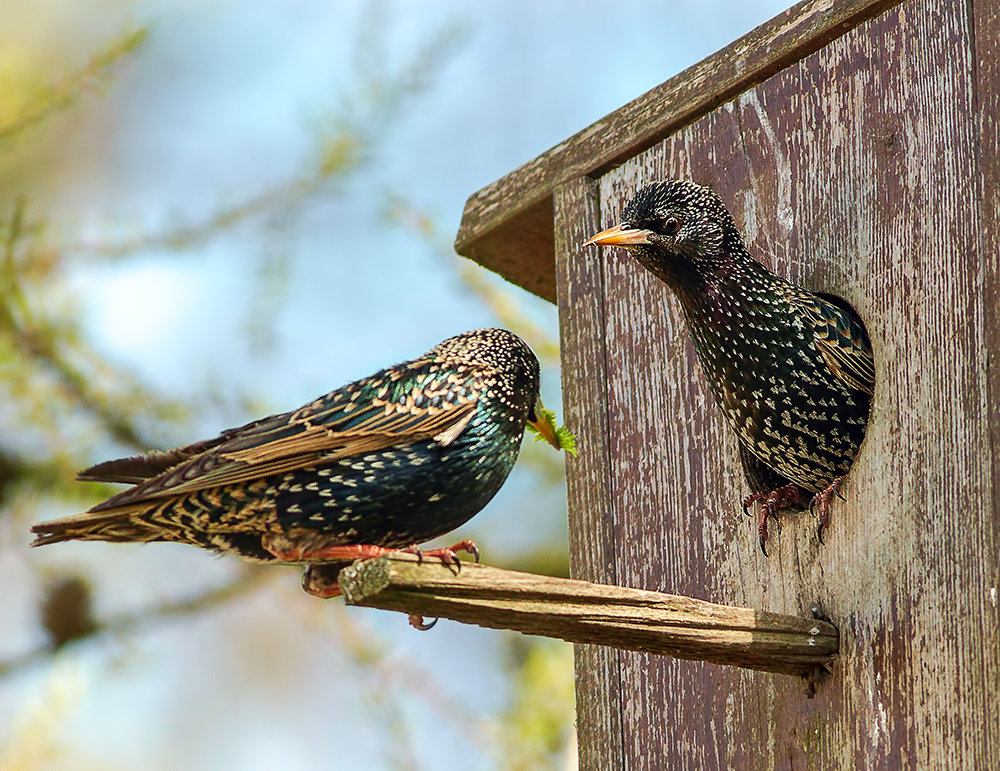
<point x="537" y="419"/>
<point x="619" y="235"/>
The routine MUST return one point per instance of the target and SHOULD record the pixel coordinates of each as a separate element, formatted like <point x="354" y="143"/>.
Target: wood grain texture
<point x="986" y="63"/>
<point x="591" y="536"/>
<point x="598" y="614"/>
<point x="507" y="226"/>
<point x="856" y="171"/>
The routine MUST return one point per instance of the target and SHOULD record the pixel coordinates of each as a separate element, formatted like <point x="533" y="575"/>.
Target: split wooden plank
<point x="584" y="612"/>
<point x="599" y="696"/>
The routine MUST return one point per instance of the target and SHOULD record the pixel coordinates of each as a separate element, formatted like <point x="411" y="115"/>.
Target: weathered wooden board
<point x="593" y="613"/>
<point x="857" y="172"/>
<point x="507" y="226"/>
<point x="588" y="478"/>
<point x="986" y="62"/>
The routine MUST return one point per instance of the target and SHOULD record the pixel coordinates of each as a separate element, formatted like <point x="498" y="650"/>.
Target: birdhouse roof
<point x="508" y="225"/>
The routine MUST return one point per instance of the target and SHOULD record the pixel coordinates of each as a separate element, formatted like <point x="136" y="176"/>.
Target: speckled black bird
<point x="386" y="462"/>
<point x="792" y="370"/>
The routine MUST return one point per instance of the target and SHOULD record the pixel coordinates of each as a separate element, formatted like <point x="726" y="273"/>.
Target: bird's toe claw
<point x="821" y="503"/>
<point x="448" y="555"/>
<point x="417" y="622"/>
<point x="451" y="560"/>
<point x="414" y="549"/>
<point x="750" y="500"/>
<point x="762" y="530"/>
<point x="467" y="546"/>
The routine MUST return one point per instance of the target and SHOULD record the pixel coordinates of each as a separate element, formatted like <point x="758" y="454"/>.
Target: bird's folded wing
<point x="329" y="429"/>
<point x="843" y="344"/>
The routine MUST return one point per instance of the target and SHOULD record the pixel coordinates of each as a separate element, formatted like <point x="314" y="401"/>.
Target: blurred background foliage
<point x="214" y="211"/>
<point x="63" y="397"/>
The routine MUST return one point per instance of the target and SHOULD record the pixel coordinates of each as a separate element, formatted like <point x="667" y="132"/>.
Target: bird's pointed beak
<point x="542" y="424"/>
<point x="619" y="235"/>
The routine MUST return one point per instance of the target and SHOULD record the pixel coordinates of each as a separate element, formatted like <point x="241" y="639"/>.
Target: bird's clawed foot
<point x="417" y="622"/>
<point x="772" y="502"/>
<point x="321" y="580"/>
<point x="447" y="555"/>
<point x="821" y="501"/>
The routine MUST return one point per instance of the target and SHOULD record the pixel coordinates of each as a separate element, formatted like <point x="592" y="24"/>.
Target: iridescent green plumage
<point x="391" y="460"/>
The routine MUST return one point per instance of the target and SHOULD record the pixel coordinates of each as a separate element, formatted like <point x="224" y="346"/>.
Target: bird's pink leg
<point x="319" y="581"/>
<point x="308" y="549"/>
<point x="773" y="501"/>
<point x="288" y="550"/>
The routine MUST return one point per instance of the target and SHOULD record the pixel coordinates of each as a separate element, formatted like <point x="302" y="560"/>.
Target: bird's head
<point x="510" y="366"/>
<point x="676" y="229"/>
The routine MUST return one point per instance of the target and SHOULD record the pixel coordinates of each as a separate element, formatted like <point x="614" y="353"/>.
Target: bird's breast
<point x="778" y="394"/>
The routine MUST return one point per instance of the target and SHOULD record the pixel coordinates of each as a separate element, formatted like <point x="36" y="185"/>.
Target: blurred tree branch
<point x="247" y="580"/>
<point x="59" y="95"/>
<point x="43" y="339"/>
<point x="347" y="138"/>
<point x="386" y="670"/>
<point x="57" y="385"/>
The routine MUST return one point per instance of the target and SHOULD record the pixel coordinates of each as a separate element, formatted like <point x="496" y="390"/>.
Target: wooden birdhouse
<point x="856" y="143"/>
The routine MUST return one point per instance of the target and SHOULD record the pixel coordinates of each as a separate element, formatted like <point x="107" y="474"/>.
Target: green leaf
<point x="565" y="437"/>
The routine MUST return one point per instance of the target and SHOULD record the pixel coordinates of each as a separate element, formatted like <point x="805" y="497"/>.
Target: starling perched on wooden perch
<point x="792" y="371"/>
<point x="392" y="460"/>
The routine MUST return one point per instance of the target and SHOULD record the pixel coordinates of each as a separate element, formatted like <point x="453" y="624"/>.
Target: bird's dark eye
<point x="671" y="225"/>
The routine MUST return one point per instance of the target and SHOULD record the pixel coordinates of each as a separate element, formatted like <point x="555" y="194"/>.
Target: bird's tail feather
<point x="132" y="523"/>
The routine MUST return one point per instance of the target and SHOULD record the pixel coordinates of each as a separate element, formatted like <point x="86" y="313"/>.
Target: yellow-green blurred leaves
<point x="25" y="100"/>
<point x="537" y="729"/>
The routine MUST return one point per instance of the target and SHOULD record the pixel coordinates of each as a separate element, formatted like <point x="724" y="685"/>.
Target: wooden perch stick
<point x="582" y="612"/>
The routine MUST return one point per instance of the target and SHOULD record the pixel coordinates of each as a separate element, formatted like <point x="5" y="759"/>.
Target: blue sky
<point x="225" y="99"/>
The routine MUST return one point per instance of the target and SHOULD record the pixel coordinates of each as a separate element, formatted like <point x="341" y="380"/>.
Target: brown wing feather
<point x="842" y="342"/>
<point x="296" y="440"/>
<point x="315" y="444"/>
<point x="138" y="468"/>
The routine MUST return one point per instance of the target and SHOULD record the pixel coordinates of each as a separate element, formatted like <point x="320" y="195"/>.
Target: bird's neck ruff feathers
<point x="724" y="279"/>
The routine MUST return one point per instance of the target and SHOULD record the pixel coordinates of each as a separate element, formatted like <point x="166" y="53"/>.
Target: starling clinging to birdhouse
<point x="392" y="460"/>
<point x="792" y="371"/>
